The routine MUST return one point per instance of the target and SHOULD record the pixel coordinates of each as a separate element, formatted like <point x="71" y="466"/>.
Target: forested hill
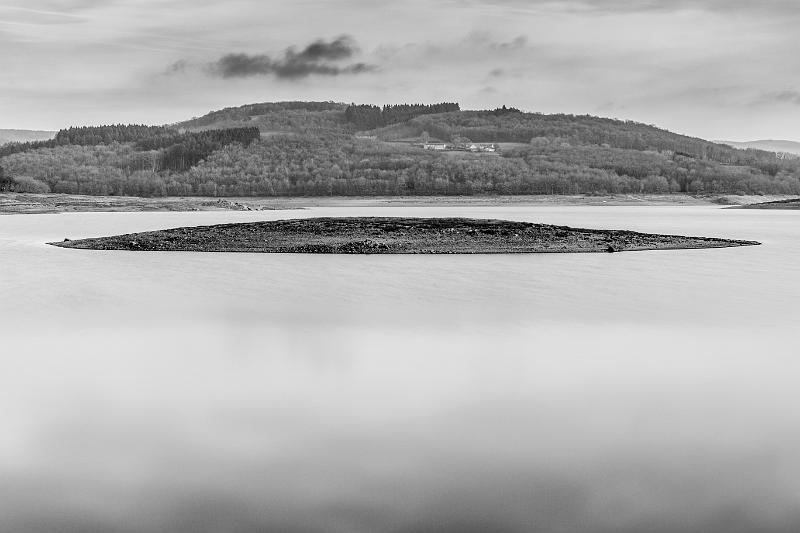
<point x="329" y="148"/>
<point x="275" y="117"/>
<point x="445" y="122"/>
<point x="513" y="126"/>
<point x="304" y="117"/>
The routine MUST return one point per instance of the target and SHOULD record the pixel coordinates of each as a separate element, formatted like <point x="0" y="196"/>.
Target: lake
<point x="644" y="391"/>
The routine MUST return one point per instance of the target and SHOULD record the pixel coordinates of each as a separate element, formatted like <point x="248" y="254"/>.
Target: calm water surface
<point x="644" y="391"/>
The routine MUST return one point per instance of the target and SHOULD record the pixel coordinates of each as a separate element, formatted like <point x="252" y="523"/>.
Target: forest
<point x="310" y="148"/>
<point x="368" y="117"/>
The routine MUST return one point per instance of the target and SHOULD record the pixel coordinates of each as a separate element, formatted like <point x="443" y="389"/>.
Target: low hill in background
<point x="17" y="136"/>
<point x="789" y="147"/>
<point x="329" y="148"/>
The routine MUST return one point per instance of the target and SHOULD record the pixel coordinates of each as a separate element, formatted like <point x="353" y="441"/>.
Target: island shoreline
<point x="395" y="235"/>
<point x="43" y="203"/>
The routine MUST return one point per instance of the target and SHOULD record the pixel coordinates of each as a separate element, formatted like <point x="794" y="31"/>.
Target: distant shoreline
<point x="789" y="204"/>
<point x="29" y="203"/>
<point x="389" y="235"/>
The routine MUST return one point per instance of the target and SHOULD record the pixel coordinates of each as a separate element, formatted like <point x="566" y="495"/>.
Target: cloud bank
<point x="781" y="97"/>
<point x="321" y="58"/>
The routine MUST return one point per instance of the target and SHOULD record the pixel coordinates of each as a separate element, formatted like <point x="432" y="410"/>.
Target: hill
<point x="329" y="148"/>
<point x="274" y="117"/>
<point x="789" y="147"/>
<point x="21" y="136"/>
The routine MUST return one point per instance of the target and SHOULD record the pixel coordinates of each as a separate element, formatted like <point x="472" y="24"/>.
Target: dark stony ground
<point x="380" y="235"/>
<point x="793" y="203"/>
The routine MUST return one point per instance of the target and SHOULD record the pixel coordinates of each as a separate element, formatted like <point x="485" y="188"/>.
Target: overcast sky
<point x="718" y="69"/>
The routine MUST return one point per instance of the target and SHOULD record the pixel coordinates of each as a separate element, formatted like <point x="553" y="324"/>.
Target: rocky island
<point x="385" y="235"/>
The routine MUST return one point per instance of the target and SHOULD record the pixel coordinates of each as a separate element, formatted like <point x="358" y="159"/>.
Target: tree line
<point x="298" y="165"/>
<point x="184" y="151"/>
<point x="367" y="117"/>
<point x="121" y="133"/>
<point x="176" y="151"/>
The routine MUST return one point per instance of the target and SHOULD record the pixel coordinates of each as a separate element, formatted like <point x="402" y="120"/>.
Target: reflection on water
<point x="647" y="391"/>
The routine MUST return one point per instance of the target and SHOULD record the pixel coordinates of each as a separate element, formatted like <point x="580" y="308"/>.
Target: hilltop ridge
<point x="772" y="145"/>
<point x="332" y="148"/>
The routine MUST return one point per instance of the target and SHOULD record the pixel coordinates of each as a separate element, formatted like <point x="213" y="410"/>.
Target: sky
<point x="716" y="69"/>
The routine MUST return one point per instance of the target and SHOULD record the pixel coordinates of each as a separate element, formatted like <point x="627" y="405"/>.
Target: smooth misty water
<point x="646" y="391"/>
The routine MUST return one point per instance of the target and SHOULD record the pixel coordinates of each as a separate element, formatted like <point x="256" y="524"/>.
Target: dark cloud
<point x="779" y="97"/>
<point x="341" y="48"/>
<point x="318" y="58"/>
<point x="178" y="66"/>
<point x="791" y="97"/>
<point x="487" y="42"/>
